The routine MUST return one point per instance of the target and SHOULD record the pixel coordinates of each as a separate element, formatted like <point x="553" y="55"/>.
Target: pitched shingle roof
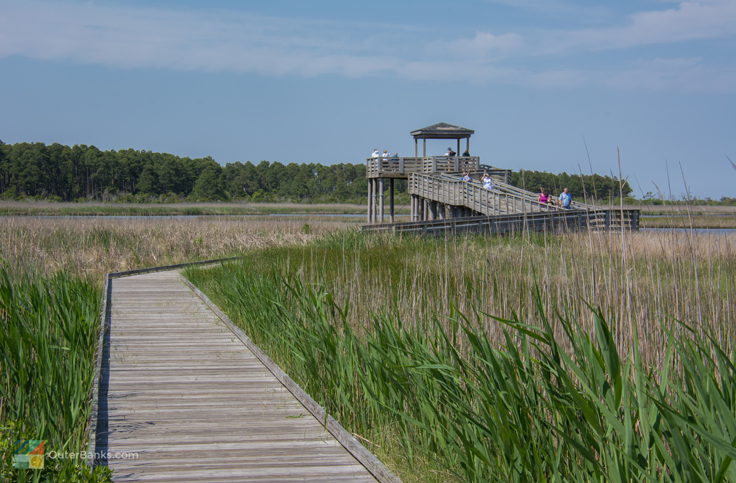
<point x="442" y="130"/>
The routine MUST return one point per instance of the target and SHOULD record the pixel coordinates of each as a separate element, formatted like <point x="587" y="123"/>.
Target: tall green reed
<point x="555" y="399"/>
<point x="48" y="336"/>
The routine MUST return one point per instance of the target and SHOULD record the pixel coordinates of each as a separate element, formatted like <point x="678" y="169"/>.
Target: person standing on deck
<point x="487" y="181"/>
<point x="375" y="153"/>
<point x="543" y="196"/>
<point x="466" y="177"/>
<point x="566" y="199"/>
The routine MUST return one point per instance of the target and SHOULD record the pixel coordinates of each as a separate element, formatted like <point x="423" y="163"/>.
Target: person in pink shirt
<point x="543" y="196"/>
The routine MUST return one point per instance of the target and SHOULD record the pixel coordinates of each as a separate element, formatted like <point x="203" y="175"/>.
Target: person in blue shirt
<point x="566" y="199"/>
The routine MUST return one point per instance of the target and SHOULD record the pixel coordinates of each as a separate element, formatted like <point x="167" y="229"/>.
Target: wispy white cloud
<point x="182" y="39"/>
<point x="482" y="45"/>
<point x="554" y="7"/>
<point x="134" y="37"/>
<point x="681" y="74"/>
<point x="688" y="20"/>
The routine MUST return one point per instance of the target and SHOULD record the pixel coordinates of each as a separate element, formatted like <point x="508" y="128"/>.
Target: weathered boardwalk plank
<point x="195" y="404"/>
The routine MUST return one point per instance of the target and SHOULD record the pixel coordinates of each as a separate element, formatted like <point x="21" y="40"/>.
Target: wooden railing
<point x="550" y="222"/>
<point x="402" y="167"/>
<point x="452" y="190"/>
<point x="498" y="174"/>
<point x="614" y="219"/>
<point x="528" y="195"/>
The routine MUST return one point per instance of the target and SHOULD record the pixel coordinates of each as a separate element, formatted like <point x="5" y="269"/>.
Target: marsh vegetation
<point x="583" y="356"/>
<point x="50" y="292"/>
<point x="527" y="357"/>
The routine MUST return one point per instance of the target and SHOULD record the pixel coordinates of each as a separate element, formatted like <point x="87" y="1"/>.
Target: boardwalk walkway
<point x="195" y="404"/>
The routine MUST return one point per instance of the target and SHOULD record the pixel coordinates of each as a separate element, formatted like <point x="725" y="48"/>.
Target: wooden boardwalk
<point x="184" y="393"/>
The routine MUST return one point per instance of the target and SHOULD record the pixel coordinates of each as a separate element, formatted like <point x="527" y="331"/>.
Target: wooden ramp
<point x="184" y="393"/>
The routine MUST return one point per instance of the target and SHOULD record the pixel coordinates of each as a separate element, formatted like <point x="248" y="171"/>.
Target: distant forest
<point x="80" y="173"/>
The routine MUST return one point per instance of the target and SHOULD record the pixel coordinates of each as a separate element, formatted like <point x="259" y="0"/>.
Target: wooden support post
<point x="380" y="198"/>
<point x="370" y="201"/>
<point x="391" y="198"/>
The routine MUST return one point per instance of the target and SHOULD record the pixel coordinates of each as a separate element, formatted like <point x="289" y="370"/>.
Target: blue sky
<point x="327" y="81"/>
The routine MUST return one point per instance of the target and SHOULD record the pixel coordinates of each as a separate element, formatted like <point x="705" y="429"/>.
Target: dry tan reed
<point x="643" y="281"/>
<point x="93" y="246"/>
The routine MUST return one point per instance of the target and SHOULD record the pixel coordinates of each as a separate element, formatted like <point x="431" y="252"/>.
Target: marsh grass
<point x="638" y="281"/>
<point x="47" y="344"/>
<point x="693" y="221"/>
<point x="91" y="247"/>
<point x="176" y="209"/>
<point x="49" y="306"/>
<point x="530" y="358"/>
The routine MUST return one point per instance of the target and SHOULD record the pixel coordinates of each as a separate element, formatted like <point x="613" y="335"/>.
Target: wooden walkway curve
<point x="180" y="389"/>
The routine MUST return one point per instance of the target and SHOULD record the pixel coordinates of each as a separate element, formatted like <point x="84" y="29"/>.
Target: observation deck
<point x="402" y="167"/>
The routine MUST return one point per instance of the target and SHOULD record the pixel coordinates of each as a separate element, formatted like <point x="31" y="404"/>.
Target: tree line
<point x="64" y="173"/>
<point x="582" y="186"/>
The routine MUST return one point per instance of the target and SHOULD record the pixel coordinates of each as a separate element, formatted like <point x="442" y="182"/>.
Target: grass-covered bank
<point x="48" y="340"/>
<point x="393" y="338"/>
<point x="692" y="221"/>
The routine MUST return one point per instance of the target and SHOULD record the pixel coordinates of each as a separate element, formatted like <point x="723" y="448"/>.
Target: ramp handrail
<point x="452" y="190"/>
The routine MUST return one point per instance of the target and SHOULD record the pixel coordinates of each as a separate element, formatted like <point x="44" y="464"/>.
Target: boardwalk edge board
<point x="92" y="423"/>
<point x="96" y="426"/>
<point x="347" y="440"/>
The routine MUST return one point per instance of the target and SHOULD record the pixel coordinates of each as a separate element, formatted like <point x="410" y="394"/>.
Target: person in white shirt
<point x="375" y="154"/>
<point x="487" y="181"/>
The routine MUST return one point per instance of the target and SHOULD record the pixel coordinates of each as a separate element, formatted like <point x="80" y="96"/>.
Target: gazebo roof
<point x="442" y="130"/>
